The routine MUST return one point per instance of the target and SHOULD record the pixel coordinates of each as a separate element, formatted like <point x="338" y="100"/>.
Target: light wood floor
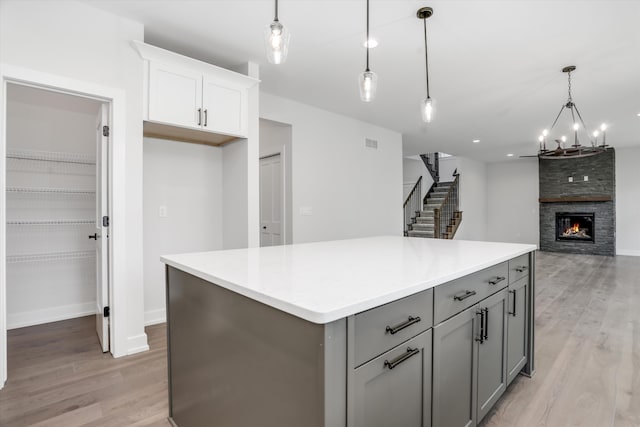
<point x="587" y="361"/>
<point x="58" y="376"/>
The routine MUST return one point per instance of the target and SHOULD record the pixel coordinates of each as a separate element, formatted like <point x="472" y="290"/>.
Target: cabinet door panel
<point x="492" y="353"/>
<point x="454" y="355"/>
<point x="517" y="328"/>
<point x="224" y="107"/>
<point x="401" y="396"/>
<point x="175" y="95"/>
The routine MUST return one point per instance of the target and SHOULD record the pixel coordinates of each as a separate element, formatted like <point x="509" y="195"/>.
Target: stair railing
<point x="412" y="205"/>
<point x="432" y="162"/>
<point x="443" y="214"/>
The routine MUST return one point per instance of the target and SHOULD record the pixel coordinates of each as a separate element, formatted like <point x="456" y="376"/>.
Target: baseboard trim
<point x="48" y="315"/>
<point x="137" y="344"/>
<point x="626" y="252"/>
<point x="153" y="317"/>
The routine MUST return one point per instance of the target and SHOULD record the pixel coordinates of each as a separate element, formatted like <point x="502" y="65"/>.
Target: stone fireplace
<point x="577" y="204"/>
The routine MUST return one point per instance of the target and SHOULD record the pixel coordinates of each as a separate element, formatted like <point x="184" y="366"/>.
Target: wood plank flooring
<point x="587" y="361"/>
<point x="587" y="346"/>
<point x="58" y="376"/>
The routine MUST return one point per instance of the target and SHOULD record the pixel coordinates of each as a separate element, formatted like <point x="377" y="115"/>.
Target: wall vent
<point x="371" y="143"/>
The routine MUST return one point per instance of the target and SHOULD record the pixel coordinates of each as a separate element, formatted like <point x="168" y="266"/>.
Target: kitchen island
<point x="368" y="332"/>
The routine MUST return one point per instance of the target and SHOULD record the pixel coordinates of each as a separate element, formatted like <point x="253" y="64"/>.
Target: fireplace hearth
<point x="577" y="227"/>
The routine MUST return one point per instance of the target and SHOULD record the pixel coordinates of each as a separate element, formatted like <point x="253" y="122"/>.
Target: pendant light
<point x="276" y="39"/>
<point x="368" y="80"/>
<point x="427" y="108"/>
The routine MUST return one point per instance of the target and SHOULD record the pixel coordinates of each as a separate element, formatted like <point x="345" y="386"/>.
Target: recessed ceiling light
<point x="475" y="141"/>
<point x="372" y="43"/>
<point x="510" y="155"/>
<point x="638" y="114"/>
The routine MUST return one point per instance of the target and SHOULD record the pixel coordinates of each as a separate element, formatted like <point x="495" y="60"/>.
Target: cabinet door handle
<point x="199" y="116"/>
<point x="94" y="236"/>
<point x="513" y="313"/>
<point x="464" y="296"/>
<point x="410" y="321"/>
<point x="481" y="335"/>
<point x="497" y="280"/>
<point x="398" y="360"/>
<point x="205" y="117"/>
<point x="521" y="268"/>
<point x="486" y="324"/>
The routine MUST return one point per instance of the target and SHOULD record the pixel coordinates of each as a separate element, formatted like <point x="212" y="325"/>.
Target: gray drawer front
<point x="518" y="268"/>
<point x="453" y="297"/>
<point x="372" y="336"/>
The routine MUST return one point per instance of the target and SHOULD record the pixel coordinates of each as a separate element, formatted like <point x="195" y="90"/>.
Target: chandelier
<point x="562" y="151"/>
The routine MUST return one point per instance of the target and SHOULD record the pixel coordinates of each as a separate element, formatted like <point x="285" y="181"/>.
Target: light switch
<point x="162" y="211"/>
<point x="586" y="178"/>
<point x="306" y="211"/>
<point x="570" y="179"/>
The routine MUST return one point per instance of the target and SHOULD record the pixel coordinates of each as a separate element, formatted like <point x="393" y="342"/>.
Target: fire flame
<point x="575" y="228"/>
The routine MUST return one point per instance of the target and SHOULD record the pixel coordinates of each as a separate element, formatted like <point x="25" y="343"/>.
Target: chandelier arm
<point x="582" y="121"/>
<point x="557" y="117"/>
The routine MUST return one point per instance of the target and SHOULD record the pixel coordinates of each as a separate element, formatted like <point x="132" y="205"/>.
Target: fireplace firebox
<point x="577" y="227"/>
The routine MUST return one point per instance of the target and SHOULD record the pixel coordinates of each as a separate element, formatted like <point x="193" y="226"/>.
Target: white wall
<point x="473" y="199"/>
<point x="412" y="169"/>
<point x="512" y="202"/>
<point x="186" y="179"/>
<point x="352" y="191"/>
<point x="276" y="138"/>
<point x="73" y="41"/>
<point x="628" y="201"/>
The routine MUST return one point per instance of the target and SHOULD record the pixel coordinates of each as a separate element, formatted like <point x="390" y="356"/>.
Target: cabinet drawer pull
<point x="205" y="117"/>
<point x="521" y="268"/>
<point x="199" y="116"/>
<point x="410" y="321"/>
<point x="464" y="296"/>
<point x="513" y="313"/>
<point x="497" y="280"/>
<point x="398" y="360"/>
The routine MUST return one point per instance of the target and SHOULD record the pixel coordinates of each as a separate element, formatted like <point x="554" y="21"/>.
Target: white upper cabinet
<point x="182" y="92"/>
<point x="175" y="95"/>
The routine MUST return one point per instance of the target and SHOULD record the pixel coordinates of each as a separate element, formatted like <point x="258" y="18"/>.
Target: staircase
<point x="425" y="221"/>
<point x="438" y="217"/>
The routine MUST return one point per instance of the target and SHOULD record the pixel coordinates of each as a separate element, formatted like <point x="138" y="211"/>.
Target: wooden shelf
<point x="574" y="199"/>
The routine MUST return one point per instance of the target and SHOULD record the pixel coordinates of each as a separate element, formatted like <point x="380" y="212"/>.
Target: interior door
<point x="270" y="201"/>
<point x="101" y="235"/>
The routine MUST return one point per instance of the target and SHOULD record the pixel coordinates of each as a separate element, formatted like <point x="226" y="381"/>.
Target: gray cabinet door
<point x="517" y="327"/>
<point x="492" y="352"/>
<point x="454" y="357"/>
<point x="394" y="389"/>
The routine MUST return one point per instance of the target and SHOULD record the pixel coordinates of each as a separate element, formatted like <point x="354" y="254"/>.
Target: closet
<point x="50" y="205"/>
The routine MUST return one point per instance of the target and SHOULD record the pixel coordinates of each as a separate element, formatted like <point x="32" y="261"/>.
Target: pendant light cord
<point x="426" y="54"/>
<point x="276" y="18"/>
<point x="367" y="36"/>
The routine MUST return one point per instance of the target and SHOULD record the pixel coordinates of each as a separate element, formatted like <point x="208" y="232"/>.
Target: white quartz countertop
<point x="326" y="281"/>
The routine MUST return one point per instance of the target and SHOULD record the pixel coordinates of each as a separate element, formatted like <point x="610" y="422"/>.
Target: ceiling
<point x="494" y="66"/>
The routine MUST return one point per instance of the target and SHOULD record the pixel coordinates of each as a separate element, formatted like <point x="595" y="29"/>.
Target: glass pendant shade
<point x="277" y="42"/>
<point x="427" y="109"/>
<point x="368" y="84"/>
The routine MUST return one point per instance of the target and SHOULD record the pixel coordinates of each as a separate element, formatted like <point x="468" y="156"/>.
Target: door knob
<point x="94" y="237"/>
<point x="264" y="227"/>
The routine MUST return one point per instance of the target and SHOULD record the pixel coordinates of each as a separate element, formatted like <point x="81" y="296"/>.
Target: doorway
<point x="276" y="222"/>
<point x="271" y="200"/>
<point x="57" y="241"/>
